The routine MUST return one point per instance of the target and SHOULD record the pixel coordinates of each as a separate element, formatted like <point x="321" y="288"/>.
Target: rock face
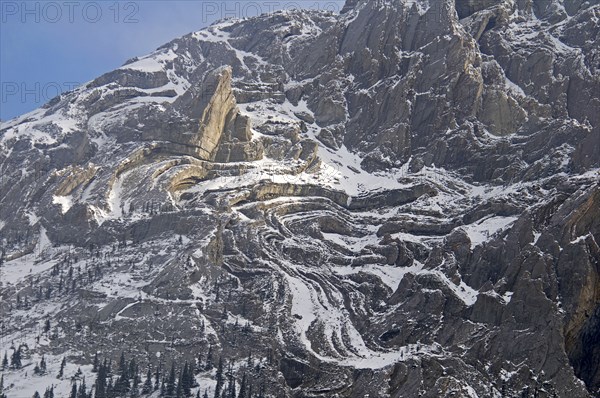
<point x="401" y="200"/>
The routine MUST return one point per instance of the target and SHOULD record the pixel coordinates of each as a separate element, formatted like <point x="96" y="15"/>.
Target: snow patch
<point x="467" y="294"/>
<point x="391" y="276"/>
<point x="481" y="231"/>
<point x="152" y="63"/>
<point x="65" y="202"/>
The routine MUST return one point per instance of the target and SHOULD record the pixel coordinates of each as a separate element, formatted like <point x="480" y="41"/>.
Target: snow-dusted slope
<point x="401" y="200"/>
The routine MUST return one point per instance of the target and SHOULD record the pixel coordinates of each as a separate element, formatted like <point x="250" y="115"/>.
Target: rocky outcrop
<point x="219" y="113"/>
<point x="400" y="200"/>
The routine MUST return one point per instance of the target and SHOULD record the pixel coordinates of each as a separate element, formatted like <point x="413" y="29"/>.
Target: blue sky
<point x="47" y="47"/>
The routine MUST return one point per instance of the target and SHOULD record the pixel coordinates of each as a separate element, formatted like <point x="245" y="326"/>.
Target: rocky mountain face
<point x="402" y="200"/>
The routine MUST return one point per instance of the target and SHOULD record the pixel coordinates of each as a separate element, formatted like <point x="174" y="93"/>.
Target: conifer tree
<point x="108" y="365"/>
<point x="110" y="388"/>
<point x="61" y="372"/>
<point x="147" y="388"/>
<point x="73" y="390"/>
<point x="243" y="386"/>
<point x="170" y="391"/>
<point x="82" y="393"/>
<point x="209" y="358"/>
<point x="135" y="388"/>
<point x="179" y="392"/>
<point x="220" y="379"/>
<point x="16" y="359"/>
<point x="157" y="378"/>
<point x="122" y="386"/>
<point x="132" y="371"/>
<point x="96" y="363"/>
<point x="122" y="364"/>
<point x="5" y="361"/>
<point x="199" y="364"/>
<point x="36" y="395"/>
<point x="43" y="365"/>
<point x="101" y="387"/>
<point x="231" y="389"/>
<point x="49" y="392"/>
<point x="187" y="380"/>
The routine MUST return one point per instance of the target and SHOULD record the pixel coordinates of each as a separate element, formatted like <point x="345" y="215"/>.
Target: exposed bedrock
<point x="398" y="201"/>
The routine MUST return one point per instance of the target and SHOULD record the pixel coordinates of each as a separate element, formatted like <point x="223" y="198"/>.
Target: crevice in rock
<point x="465" y="8"/>
<point x="586" y="355"/>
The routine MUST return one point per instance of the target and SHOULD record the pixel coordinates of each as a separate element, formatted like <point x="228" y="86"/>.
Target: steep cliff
<point x="401" y="200"/>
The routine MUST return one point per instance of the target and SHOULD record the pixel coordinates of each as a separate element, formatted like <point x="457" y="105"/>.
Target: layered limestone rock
<point x="219" y="115"/>
<point x="397" y="201"/>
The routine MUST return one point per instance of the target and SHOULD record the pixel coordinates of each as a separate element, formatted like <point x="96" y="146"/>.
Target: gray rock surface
<point x="401" y="200"/>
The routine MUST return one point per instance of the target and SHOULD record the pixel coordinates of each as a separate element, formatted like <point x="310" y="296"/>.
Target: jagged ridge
<point x="401" y="200"/>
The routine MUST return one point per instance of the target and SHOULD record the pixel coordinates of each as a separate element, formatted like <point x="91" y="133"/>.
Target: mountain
<point x="401" y="200"/>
